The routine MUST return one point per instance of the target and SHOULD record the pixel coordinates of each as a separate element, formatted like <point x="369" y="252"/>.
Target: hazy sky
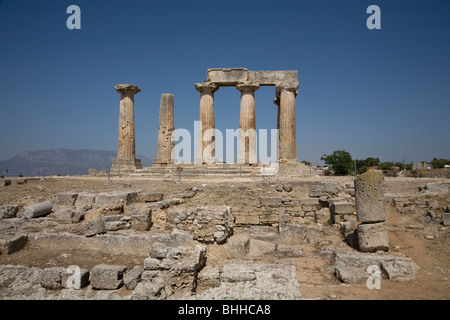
<point x="382" y="93"/>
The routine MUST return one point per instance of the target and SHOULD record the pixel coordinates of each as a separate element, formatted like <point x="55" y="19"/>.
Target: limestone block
<point x="373" y="237"/>
<point x="286" y="251"/>
<point x="133" y="277"/>
<point x="67" y="198"/>
<point x="270" y="202"/>
<point x="238" y="246"/>
<point x="68" y="215"/>
<point x="51" y="278"/>
<point x="94" y="227"/>
<point x="208" y="277"/>
<point x="259" y="249"/>
<point x="324" y="189"/>
<point x="446" y="219"/>
<point x="8" y="211"/>
<point x="150" y="196"/>
<point x="237" y="272"/>
<point x="11" y="244"/>
<point x="85" y="200"/>
<point x="247" y="219"/>
<point x="107" y="198"/>
<point x="369" y="197"/>
<point x="107" y="277"/>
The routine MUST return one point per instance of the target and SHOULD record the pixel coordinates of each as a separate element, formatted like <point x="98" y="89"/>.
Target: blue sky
<point x="382" y="93"/>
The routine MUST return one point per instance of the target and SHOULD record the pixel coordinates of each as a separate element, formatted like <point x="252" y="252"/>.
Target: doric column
<point x="207" y="121"/>
<point x="247" y="124"/>
<point x="287" y="144"/>
<point x="166" y="128"/>
<point x="126" y="154"/>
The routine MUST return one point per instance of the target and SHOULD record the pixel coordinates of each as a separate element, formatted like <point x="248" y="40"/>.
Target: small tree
<point x="340" y="162"/>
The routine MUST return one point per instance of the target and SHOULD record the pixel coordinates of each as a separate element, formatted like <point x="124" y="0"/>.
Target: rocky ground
<point x="218" y="238"/>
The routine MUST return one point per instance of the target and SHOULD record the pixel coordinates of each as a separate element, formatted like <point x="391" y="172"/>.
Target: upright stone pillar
<point x="287" y="145"/>
<point x="370" y="211"/>
<point x="166" y="128"/>
<point x="126" y="155"/>
<point x="206" y="145"/>
<point x="247" y="124"/>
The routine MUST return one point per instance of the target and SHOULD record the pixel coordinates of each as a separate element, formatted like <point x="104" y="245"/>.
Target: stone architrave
<point x="287" y="147"/>
<point x="126" y="154"/>
<point x="206" y="152"/>
<point x="247" y="124"/>
<point x="166" y="128"/>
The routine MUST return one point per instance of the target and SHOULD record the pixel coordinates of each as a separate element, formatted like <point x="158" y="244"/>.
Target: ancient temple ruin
<point x="247" y="82"/>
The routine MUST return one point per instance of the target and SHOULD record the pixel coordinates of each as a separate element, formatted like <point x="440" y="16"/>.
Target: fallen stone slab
<point x="85" y="201"/>
<point x="67" y="198"/>
<point x="94" y="227"/>
<point x="133" y="277"/>
<point x="107" y="277"/>
<point x="107" y="198"/>
<point x="141" y="216"/>
<point x="68" y="215"/>
<point x="351" y="267"/>
<point x="38" y="210"/>
<point x="11" y="244"/>
<point x="8" y="211"/>
<point x="260" y="249"/>
<point x="18" y="280"/>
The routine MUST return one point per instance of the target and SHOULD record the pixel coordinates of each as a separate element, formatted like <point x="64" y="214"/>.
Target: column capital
<point x="247" y="86"/>
<point x="287" y="86"/>
<point x="206" y="87"/>
<point x="127" y="88"/>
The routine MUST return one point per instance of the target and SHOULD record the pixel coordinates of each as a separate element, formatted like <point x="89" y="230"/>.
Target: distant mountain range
<point x="61" y="162"/>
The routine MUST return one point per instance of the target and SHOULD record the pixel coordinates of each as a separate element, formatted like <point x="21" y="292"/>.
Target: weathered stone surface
<point x="287" y="251"/>
<point x="5" y="182"/>
<point x="341" y="207"/>
<point x="38" y="210"/>
<point x="67" y="198"/>
<point x="158" y="250"/>
<point x="255" y="282"/>
<point x="152" y="286"/>
<point x="446" y="219"/>
<point x="208" y="223"/>
<point x="68" y="215"/>
<point x="85" y="201"/>
<point x="208" y="277"/>
<point x="151" y="263"/>
<point x="259" y="249"/>
<point x="11" y="244"/>
<point x="94" y="227"/>
<point x="436" y="188"/>
<point x="150" y="196"/>
<point x="351" y="267"/>
<point x="166" y="128"/>
<point x="107" y="198"/>
<point x="238" y="246"/>
<point x="373" y="237"/>
<point x="133" y="277"/>
<point x="324" y="189"/>
<point x="8" y="211"/>
<point x="270" y="202"/>
<point x="141" y="216"/>
<point x="18" y="280"/>
<point x="51" y="278"/>
<point x="107" y="277"/>
<point x="369" y="196"/>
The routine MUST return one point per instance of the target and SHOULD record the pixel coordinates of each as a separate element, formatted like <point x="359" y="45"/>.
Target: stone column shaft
<point x="126" y="153"/>
<point x="207" y="121"/>
<point x="287" y="125"/>
<point x="247" y="124"/>
<point x="166" y="128"/>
